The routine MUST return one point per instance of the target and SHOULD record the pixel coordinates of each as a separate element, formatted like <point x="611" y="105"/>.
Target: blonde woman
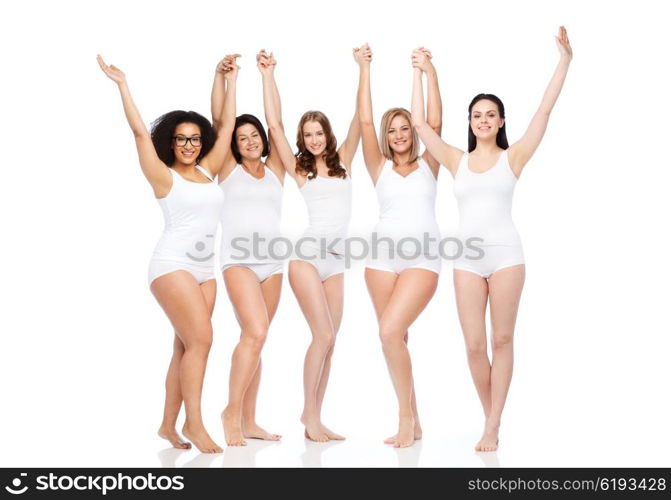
<point x="402" y="271"/>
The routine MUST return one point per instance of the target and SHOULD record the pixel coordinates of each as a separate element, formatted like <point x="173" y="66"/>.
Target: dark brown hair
<point x="501" y="137"/>
<point x="306" y="163"/>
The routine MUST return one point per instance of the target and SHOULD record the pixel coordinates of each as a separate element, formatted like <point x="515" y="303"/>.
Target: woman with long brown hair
<point x="323" y="174"/>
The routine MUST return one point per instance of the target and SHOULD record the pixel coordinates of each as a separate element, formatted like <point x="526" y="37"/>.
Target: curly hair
<point x="306" y="163"/>
<point x="163" y="129"/>
<point x="501" y="137"/>
<point x="256" y="123"/>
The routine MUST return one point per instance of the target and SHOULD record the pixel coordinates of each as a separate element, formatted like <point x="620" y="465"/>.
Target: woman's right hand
<point x="112" y="72"/>
<point x="229" y="67"/>
<point x="363" y="55"/>
<point x="265" y="62"/>
<point x="421" y="59"/>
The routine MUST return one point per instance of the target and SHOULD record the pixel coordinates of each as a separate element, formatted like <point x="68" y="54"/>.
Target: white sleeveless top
<point x="191" y="211"/>
<point x="329" y="205"/>
<point x="485" y="203"/>
<point x="407" y="204"/>
<point x="251" y="206"/>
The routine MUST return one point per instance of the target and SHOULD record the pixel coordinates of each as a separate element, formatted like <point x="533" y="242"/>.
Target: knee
<point x="476" y="348"/>
<point x="325" y="339"/>
<point x="199" y="341"/>
<point x="390" y="336"/>
<point x="502" y="340"/>
<point x="255" y="335"/>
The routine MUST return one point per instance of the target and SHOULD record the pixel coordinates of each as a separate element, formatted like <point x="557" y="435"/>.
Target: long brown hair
<point x="306" y="163"/>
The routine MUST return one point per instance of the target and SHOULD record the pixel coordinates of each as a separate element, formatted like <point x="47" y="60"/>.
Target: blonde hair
<point x="387" y="118"/>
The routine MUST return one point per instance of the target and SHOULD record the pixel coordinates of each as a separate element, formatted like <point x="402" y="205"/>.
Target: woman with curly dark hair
<point x="180" y="159"/>
<point x="323" y="174"/>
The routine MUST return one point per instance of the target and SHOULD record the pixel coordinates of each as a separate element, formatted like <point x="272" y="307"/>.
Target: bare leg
<point x="311" y="296"/>
<point x="380" y="287"/>
<point x="244" y="291"/>
<point x="505" y="290"/>
<point x="173" y="390"/>
<point x="412" y="291"/>
<point x="270" y="288"/>
<point x="333" y="288"/>
<point x="471" y="292"/>
<point x="188" y="306"/>
<point x="173" y="399"/>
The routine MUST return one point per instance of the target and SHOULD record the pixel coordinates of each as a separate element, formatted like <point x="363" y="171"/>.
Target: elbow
<point x="417" y="123"/>
<point x="141" y="134"/>
<point x="436" y="125"/>
<point x="276" y="127"/>
<point x="366" y="121"/>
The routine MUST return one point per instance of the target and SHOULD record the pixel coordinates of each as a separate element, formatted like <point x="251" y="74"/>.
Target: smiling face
<point x="186" y="154"/>
<point x="314" y="137"/>
<point x="399" y="134"/>
<point x="249" y="142"/>
<point x="486" y="120"/>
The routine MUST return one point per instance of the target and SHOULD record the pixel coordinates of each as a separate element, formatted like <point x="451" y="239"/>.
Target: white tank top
<point x="407" y="204"/>
<point x="485" y="203"/>
<point x="251" y="206"/>
<point x="329" y="205"/>
<point x="191" y="211"/>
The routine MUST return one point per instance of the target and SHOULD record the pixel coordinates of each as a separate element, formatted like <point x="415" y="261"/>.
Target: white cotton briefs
<point x="252" y="207"/>
<point x="191" y="211"/>
<point x="407" y="217"/>
<point x="485" y="212"/>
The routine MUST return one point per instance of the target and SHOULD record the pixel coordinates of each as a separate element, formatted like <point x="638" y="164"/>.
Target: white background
<point x="85" y="346"/>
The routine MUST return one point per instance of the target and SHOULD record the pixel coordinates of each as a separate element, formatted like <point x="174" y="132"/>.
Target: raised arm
<point x="273" y="161"/>
<point x="421" y="58"/>
<point x="272" y="108"/>
<point x="443" y="153"/>
<point x="153" y="168"/>
<point x="348" y="148"/>
<point x="372" y="155"/>
<point x="219" y="160"/>
<point x="520" y="152"/>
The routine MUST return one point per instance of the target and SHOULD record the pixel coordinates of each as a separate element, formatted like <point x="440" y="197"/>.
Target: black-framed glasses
<point x="181" y="141"/>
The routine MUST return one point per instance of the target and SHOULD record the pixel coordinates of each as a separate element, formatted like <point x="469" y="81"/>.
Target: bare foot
<point x="232" y="430"/>
<point x="201" y="439"/>
<point x="314" y="430"/>
<point x="253" y="431"/>
<point x="332" y="435"/>
<point x="170" y="433"/>
<point x="489" y="440"/>
<point x="406" y="432"/>
<point x="418" y="434"/>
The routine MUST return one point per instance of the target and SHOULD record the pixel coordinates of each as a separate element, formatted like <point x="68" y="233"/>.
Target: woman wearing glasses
<point x="484" y="181"/>
<point x="180" y="158"/>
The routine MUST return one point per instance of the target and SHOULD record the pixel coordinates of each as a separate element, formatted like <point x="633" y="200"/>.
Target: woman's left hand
<point x="563" y="44"/>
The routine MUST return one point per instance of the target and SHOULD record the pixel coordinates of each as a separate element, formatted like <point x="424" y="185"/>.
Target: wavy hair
<point x="501" y="137"/>
<point x="306" y="163"/>
<point x="163" y="129"/>
<point x="385" y="124"/>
